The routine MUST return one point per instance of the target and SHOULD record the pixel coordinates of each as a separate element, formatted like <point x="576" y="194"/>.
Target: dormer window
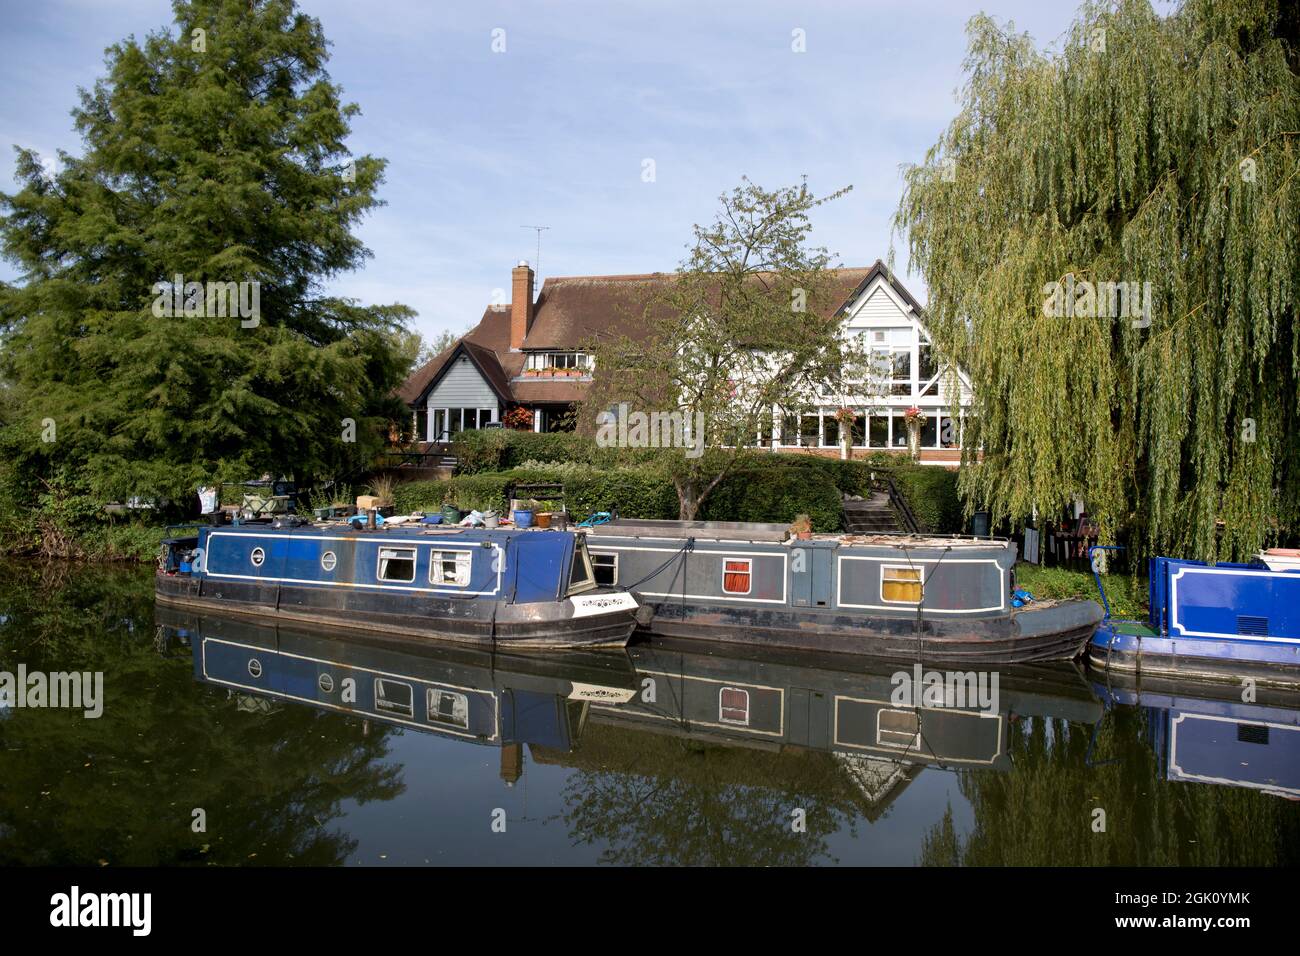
<point x="540" y="361"/>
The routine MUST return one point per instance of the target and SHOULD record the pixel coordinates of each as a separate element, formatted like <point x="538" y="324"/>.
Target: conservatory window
<point x="949" y="432"/>
<point x="878" y="432"/>
<point x="810" y="430"/>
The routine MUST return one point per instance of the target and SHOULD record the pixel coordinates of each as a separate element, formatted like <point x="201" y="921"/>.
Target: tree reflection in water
<point x="121" y="789"/>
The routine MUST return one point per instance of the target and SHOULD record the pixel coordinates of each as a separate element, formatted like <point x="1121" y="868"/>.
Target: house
<point x="529" y="356"/>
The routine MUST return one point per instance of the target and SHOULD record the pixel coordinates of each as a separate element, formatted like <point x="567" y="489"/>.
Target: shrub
<point x="776" y="494"/>
<point x="931" y="493"/>
<point x="499" y="449"/>
<point x="636" y="493"/>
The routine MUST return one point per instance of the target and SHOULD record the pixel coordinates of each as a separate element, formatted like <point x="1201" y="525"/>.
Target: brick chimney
<point x="521" y="304"/>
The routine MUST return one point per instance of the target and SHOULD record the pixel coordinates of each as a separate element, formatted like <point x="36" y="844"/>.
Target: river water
<point x="234" y="743"/>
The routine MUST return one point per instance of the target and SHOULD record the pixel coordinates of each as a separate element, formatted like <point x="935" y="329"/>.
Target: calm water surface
<point x="311" y="747"/>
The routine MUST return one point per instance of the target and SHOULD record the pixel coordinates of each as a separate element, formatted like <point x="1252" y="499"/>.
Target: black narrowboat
<point x="899" y="597"/>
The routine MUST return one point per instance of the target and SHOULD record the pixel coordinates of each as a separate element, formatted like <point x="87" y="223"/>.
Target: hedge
<point x="776" y="495"/>
<point x="766" y="494"/>
<point x="637" y="493"/>
<point x="931" y="493"/>
<point x="766" y="488"/>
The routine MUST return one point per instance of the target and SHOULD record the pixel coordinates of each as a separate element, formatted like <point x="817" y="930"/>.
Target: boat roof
<point x="742" y="531"/>
<point x="707" y="530"/>
<point x="777" y="533"/>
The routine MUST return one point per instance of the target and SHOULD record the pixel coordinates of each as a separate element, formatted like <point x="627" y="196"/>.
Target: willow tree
<point x="1159" y="152"/>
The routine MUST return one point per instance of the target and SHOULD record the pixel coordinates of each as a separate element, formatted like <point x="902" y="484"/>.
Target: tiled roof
<point x="574" y="311"/>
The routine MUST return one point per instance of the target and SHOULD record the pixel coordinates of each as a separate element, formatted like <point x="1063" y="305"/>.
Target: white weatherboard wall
<point x="461" y="390"/>
<point x="462" y="387"/>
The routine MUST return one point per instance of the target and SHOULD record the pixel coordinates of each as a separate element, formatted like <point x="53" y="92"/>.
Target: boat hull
<point x="536" y="625"/>
<point x="1053" y="633"/>
<point x="1275" y="664"/>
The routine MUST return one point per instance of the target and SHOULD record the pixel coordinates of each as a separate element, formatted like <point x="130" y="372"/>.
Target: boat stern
<point x="598" y="618"/>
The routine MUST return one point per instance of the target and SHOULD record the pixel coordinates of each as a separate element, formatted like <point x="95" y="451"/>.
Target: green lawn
<point x="1126" y="593"/>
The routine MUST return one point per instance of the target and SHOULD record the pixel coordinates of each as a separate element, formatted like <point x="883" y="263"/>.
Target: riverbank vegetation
<point x="759" y="486"/>
<point x="1126" y="593"/>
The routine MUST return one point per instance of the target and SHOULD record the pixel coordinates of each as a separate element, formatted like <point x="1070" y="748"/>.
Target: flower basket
<point x="914" y="418"/>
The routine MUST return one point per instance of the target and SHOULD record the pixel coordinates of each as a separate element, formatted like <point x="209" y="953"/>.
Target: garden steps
<point x="871" y="515"/>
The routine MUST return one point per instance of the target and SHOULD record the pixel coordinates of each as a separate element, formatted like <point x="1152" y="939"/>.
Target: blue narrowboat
<point x="1226" y="622"/>
<point x="891" y="596"/>
<point x="529" y="588"/>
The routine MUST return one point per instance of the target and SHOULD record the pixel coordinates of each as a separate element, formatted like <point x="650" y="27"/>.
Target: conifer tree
<point x="214" y="162"/>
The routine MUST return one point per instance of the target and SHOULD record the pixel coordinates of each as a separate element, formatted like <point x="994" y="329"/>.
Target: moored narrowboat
<point x="1225" y="622"/>
<point x="900" y="597"/>
<point x="531" y="589"/>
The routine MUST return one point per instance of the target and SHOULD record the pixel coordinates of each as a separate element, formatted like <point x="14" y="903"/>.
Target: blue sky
<point x="555" y="130"/>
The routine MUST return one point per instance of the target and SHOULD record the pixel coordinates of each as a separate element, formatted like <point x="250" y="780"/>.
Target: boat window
<point x="736" y="573"/>
<point x="1252" y="733"/>
<point x="254" y="667"/>
<point x="396" y="564"/>
<point x="328" y="561"/>
<point x="448" y="707"/>
<point x="605" y="567"/>
<point x="450" y="568"/>
<point x="581" y="577"/>
<point x="257" y="557"/>
<point x="394" y="697"/>
<point x="898" y="728"/>
<point x="900" y="585"/>
<point x="326" y="683"/>
<point x="733" y="705"/>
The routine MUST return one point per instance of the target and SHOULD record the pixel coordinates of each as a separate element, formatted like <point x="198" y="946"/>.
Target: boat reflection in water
<point x="1205" y="733"/>
<point x="785" y="704"/>
<point x="662" y="753"/>
<point x="460" y="692"/>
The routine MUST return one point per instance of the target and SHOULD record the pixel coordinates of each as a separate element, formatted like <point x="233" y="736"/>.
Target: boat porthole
<point x="254" y="667"/>
<point x="326" y="683"/>
<point x="257" y="557"/>
<point x="328" y="560"/>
